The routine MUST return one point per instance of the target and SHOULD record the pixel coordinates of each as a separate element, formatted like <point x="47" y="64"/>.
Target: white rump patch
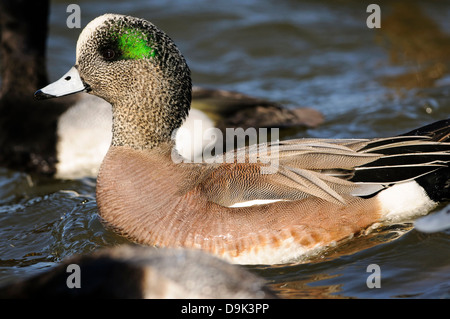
<point x="404" y="201"/>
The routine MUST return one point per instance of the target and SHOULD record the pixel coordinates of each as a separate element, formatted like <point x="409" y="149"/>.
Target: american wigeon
<point x="141" y="272"/>
<point x="69" y="138"/>
<point x="277" y="203"/>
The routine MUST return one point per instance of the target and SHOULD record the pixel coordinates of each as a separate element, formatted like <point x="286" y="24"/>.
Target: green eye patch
<point x="133" y="44"/>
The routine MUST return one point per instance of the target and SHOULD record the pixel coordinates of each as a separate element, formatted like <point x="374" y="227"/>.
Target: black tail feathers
<point x="422" y="155"/>
<point x="438" y="131"/>
<point x="437" y="183"/>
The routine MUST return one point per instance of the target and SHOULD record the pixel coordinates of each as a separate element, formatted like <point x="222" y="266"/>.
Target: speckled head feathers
<point x="129" y="37"/>
<point x="137" y="68"/>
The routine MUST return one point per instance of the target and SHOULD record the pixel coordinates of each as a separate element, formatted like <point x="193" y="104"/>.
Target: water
<point x="312" y="53"/>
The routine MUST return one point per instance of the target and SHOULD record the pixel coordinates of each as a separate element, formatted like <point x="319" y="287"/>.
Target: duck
<point x="272" y="203"/>
<point x="137" y="272"/>
<point x="69" y="138"/>
<point x="438" y="221"/>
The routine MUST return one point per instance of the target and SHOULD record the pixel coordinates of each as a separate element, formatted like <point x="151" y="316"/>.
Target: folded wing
<point x="326" y="169"/>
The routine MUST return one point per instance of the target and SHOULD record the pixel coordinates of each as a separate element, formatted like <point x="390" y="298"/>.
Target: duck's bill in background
<point x="436" y="222"/>
<point x="69" y="83"/>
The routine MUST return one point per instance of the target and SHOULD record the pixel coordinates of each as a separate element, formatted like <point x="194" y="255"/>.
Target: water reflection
<point x="415" y="41"/>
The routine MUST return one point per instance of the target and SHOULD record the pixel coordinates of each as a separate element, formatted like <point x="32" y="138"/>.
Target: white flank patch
<point x="404" y="201"/>
<point x="255" y="202"/>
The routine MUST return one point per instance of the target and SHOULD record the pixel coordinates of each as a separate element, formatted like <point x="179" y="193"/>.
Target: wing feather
<point x="322" y="168"/>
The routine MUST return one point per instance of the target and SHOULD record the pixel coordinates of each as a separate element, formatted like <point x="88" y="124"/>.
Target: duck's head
<point x="137" y="68"/>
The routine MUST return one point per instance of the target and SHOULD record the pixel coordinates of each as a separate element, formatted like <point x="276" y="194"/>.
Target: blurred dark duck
<point x="136" y="272"/>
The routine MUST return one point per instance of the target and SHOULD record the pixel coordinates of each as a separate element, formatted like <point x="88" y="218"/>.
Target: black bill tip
<point x="39" y="95"/>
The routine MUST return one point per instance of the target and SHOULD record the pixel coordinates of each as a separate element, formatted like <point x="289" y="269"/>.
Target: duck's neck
<point x="154" y="103"/>
<point x="148" y="124"/>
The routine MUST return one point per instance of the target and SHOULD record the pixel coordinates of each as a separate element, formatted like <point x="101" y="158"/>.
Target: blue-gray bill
<point x="69" y="83"/>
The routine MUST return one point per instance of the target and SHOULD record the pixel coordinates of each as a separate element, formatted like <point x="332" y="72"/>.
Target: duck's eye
<point x="108" y="54"/>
